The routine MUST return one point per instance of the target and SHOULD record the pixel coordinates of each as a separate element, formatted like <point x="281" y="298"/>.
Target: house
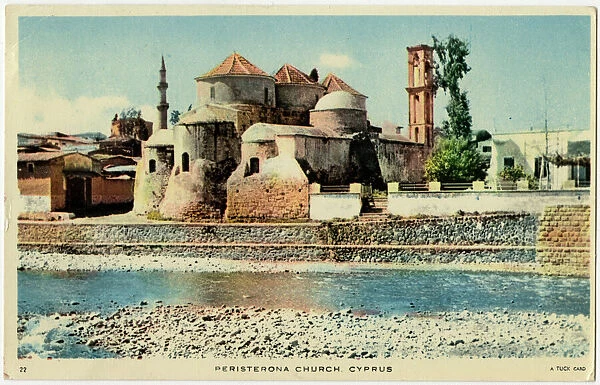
<point x="73" y="182"/>
<point x="558" y="159"/>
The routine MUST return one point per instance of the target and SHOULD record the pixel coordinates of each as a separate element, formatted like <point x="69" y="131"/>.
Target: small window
<point x="185" y="162"/>
<point x="416" y="134"/>
<point x="509" y="161"/>
<point x="212" y="93"/>
<point x="487" y="149"/>
<point x="266" y="95"/>
<point x="152" y="165"/>
<point x="30" y="167"/>
<point x="170" y="157"/>
<point x="254" y="166"/>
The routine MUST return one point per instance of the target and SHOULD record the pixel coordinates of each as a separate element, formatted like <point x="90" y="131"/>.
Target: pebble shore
<point x="189" y="331"/>
<point x="35" y="260"/>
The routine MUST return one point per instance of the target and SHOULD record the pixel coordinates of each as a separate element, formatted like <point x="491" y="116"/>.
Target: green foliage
<point x="512" y="174"/>
<point x="516" y="173"/>
<point x="450" y="67"/>
<point x="175" y="114"/>
<point x="482" y="136"/>
<point x="314" y="75"/>
<point x="455" y="160"/>
<point x="156" y="216"/>
<point x="130" y="113"/>
<point x="459" y="120"/>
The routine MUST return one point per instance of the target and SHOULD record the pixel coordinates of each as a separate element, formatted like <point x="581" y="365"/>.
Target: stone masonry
<point x="267" y="197"/>
<point x="564" y="243"/>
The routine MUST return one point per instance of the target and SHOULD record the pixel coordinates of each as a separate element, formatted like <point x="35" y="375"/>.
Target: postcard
<point x="354" y="193"/>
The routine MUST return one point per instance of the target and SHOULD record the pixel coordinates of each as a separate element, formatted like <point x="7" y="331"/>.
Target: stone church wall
<point x="250" y="114"/>
<point x="236" y="89"/>
<point x="149" y="188"/>
<point x="212" y="141"/>
<point x="298" y="95"/>
<point x="279" y="191"/>
<point x="264" y="197"/>
<point x="401" y="162"/>
<point x="327" y="160"/>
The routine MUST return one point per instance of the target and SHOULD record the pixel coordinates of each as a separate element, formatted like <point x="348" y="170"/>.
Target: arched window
<point x="416" y="71"/>
<point x="266" y="95"/>
<point x="185" y="162"/>
<point x="152" y="165"/>
<point x="254" y="166"/>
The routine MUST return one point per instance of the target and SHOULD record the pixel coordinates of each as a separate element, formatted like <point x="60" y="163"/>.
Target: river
<point x="381" y="291"/>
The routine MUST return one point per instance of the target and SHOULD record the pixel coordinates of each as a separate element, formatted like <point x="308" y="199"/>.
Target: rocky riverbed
<point x="35" y="260"/>
<point x="188" y="331"/>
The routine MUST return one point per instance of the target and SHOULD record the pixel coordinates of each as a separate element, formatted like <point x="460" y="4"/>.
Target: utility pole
<point x="545" y="162"/>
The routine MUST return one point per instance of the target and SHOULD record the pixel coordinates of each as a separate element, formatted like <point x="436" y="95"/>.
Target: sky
<point x="75" y="73"/>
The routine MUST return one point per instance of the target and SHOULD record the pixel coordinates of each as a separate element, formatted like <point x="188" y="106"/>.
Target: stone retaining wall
<point x="292" y="253"/>
<point x="500" y="229"/>
<point x="564" y="244"/>
<point x="166" y="232"/>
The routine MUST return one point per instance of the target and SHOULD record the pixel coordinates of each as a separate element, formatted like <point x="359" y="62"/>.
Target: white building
<point x="568" y="151"/>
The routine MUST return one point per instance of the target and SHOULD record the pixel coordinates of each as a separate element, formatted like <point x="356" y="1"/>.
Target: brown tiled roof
<point x="332" y="83"/>
<point x="235" y="64"/>
<point x="38" y="156"/>
<point x="288" y="74"/>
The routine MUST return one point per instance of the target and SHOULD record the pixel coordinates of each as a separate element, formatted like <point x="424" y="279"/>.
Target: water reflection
<point x="372" y="291"/>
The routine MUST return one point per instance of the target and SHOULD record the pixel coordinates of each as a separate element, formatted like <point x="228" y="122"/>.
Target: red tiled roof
<point x="289" y="74"/>
<point x="38" y="156"/>
<point x="235" y="64"/>
<point x="332" y="83"/>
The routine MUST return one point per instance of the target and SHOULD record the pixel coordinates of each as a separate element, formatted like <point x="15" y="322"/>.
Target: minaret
<point x="162" y="88"/>
<point x="420" y="94"/>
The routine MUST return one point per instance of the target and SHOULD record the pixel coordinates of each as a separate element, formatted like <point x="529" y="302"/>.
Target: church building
<point x="253" y="143"/>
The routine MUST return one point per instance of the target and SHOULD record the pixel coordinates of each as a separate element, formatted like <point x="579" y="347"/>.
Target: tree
<point x="175" y="115"/>
<point x="482" y="136"/>
<point x="314" y="75"/>
<point x="450" y="67"/>
<point x="130" y="113"/>
<point x="455" y="160"/>
<point x="455" y="157"/>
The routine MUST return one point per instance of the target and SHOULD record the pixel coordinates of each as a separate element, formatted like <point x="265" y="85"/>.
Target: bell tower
<point x="420" y="94"/>
<point x="162" y="88"/>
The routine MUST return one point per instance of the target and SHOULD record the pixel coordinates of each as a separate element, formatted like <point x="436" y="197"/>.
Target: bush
<point x="455" y="160"/>
<point x="516" y="173"/>
<point x="512" y="174"/>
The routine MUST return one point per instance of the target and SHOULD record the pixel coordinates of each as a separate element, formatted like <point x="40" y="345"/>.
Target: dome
<point x="201" y="114"/>
<point x="339" y="100"/>
<point x="160" y="138"/>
